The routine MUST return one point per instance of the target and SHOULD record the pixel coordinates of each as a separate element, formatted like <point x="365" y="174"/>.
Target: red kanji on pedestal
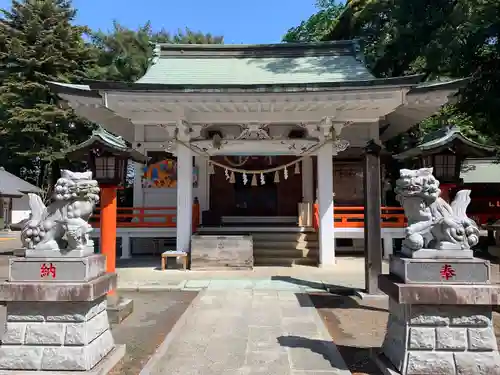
<point x="447" y="272"/>
<point x="49" y="270"/>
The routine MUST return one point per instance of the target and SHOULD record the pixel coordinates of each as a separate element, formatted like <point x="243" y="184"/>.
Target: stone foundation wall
<point x="446" y="339"/>
<point x="221" y="252"/>
<point x="71" y="336"/>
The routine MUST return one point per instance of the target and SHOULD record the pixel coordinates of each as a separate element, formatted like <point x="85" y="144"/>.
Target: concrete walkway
<point x="249" y="332"/>
<point x="348" y="272"/>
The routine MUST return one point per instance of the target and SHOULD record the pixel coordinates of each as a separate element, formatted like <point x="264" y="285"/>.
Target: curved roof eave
<point x="408" y="81"/>
<point x="441" y="142"/>
<point x="88" y="103"/>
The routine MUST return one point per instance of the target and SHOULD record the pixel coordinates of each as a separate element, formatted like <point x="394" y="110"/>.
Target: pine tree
<point x="39" y="43"/>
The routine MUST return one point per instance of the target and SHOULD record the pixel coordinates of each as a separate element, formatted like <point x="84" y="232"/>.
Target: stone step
<point x="285" y="253"/>
<point x="284" y="261"/>
<point x="283" y="236"/>
<point x="257" y="244"/>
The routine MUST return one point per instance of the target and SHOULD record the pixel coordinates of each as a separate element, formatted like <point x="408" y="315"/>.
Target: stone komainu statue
<point x="63" y="225"/>
<point x="432" y="222"/>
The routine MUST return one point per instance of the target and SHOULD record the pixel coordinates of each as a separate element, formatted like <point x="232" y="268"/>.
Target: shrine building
<point x="253" y="136"/>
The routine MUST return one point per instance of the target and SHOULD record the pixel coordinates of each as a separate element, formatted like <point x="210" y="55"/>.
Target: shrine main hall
<point x="275" y="139"/>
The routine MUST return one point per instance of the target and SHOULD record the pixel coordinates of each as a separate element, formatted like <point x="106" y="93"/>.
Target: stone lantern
<point x="107" y="157"/>
<point x="58" y="291"/>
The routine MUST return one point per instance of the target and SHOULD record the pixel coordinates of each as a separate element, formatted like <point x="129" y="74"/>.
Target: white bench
<point x="127" y="233"/>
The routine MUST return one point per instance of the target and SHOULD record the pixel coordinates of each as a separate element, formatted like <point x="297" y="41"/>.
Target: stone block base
<point x="221" y="252"/>
<point x="432" y="271"/>
<point x="437" y="254"/>
<point x="58" y="269"/>
<point x="119" y="310"/>
<point x="441" y="339"/>
<point x="102" y="368"/>
<point x="88" y="250"/>
<point x="55" y="336"/>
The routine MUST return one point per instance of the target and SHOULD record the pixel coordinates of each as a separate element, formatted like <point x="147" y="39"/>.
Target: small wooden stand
<point x="174" y="254"/>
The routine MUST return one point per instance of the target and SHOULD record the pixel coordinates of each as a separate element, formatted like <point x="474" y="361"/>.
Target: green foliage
<point x="316" y="27"/>
<point x="38" y="44"/>
<point x="125" y="53"/>
<point x="437" y="38"/>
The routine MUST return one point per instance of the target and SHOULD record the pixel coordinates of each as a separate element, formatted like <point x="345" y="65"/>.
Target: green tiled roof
<point x="256" y="64"/>
<point x="101" y="137"/>
<point x="441" y="138"/>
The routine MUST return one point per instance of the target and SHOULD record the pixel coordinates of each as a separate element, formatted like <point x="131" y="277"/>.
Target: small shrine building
<point x="253" y="131"/>
<point x="460" y="163"/>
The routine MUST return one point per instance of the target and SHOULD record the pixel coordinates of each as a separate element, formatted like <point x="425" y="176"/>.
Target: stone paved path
<point x="250" y="332"/>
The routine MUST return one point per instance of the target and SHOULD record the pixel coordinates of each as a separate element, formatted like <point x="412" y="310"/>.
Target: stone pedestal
<point x="221" y="252"/>
<point x="56" y="318"/>
<point x="439" y="324"/>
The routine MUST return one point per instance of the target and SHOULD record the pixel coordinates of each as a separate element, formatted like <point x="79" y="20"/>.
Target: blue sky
<point x="254" y="21"/>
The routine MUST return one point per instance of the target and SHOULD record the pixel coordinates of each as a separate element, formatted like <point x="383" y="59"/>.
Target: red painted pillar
<point x="108" y="227"/>
<point x="445" y="191"/>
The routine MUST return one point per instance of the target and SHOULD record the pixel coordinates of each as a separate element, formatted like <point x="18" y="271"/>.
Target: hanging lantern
<point x="276" y="177"/>
<point x="211" y="169"/>
<point x="297" y="168"/>
<point x="254" y="180"/>
<point x="262" y="179"/>
<point x="232" y="179"/>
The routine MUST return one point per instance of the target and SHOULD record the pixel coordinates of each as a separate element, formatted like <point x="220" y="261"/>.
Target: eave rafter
<point x="120" y="111"/>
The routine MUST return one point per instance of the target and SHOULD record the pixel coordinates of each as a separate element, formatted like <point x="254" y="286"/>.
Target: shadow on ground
<point x="331" y="288"/>
<point x="326" y="349"/>
<point x="335" y="301"/>
<point x="357" y="327"/>
<point x="149" y="261"/>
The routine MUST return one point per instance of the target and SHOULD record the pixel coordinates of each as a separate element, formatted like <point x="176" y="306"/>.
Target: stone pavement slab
<point x="250" y="332"/>
<point x="224" y="284"/>
<point x="347" y="273"/>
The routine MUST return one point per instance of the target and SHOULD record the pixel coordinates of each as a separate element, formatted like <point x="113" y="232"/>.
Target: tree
<point x="314" y="29"/>
<point x="125" y="54"/>
<point x="441" y="39"/>
<point x="38" y="43"/>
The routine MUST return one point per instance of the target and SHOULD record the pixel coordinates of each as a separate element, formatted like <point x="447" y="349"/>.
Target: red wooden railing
<point x="344" y="217"/>
<point x="140" y="217"/>
<point x="147" y="217"/>
<point x="354" y="217"/>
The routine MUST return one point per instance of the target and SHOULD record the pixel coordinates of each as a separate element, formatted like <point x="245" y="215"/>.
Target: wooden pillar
<point x="108" y="227"/>
<point x="307" y="180"/>
<point x="7" y="212"/>
<point x="373" y="240"/>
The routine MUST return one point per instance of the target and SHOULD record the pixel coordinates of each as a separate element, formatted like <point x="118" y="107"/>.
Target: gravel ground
<point x="356" y="326"/>
<point x="144" y="330"/>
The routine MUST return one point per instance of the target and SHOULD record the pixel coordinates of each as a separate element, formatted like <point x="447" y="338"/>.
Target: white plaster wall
<point x="20" y="209"/>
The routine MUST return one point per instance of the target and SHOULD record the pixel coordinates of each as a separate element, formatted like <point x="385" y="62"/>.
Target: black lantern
<point x="446" y="168"/>
<point x="108" y="168"/>
<point x="107" y="157"/>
